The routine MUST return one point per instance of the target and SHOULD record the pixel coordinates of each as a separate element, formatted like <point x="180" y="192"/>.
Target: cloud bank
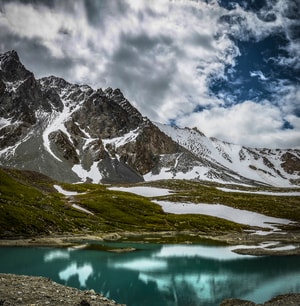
<point x="229" y="68"/>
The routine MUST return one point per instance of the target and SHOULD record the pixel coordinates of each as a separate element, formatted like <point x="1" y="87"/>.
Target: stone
<point x="52" y="294"/>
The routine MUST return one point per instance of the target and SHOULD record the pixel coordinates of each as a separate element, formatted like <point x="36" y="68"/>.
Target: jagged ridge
<point x="75" y="133"/>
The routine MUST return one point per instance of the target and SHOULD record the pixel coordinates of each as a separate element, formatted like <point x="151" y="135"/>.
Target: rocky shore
<point x="37" y="291"/>
<point x="280" y="300"/>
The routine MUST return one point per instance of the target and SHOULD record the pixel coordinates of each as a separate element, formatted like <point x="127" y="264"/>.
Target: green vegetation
<point x="30" y="206"/>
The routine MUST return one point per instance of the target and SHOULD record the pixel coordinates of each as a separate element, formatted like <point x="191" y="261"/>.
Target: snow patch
<point x="72" y="193"/>
<point x="82" y="209"/>
<point x="225" y="212"/>
<point x="12" y="86"/>
<point x="5" y="122"/>
<point x="94" y="173"/>
<point x="10" y="151"/>
<point x="65" y="192"/>
<point x="120" y="141"/>
<point x="144" y="191"/>
<point x="197" y="172"/>
<point x="288" y="194"/>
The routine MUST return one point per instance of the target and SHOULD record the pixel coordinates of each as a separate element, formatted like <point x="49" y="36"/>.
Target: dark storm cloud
<point x="48" y="3"/>
<point x="97" y="11"/>
<point x="35" y="56"/>
<point x="135" y="66"/>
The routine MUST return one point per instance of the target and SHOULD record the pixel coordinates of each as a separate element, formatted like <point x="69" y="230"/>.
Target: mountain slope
<point x="273" y="167"/>
<point x="74" y="133"/>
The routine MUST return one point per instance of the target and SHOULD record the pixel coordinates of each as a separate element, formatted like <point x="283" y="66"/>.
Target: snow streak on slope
<point x="279" y="194"/>
<point x="120" y="141"/>
<point x="57" y="121"/>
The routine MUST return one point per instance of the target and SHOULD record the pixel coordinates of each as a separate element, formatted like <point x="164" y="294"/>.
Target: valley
<point x="40" y="211"/>
<point x="82" y="169"/>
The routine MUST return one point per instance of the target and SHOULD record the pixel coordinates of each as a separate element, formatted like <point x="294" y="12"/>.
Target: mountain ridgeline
<point x="74" y="133"/>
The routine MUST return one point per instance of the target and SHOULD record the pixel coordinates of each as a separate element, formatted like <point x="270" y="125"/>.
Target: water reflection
<point x="161" y="275"/>
<point x="141" y="264"/>
<point x="82" y="272"/>
<point x="56" y="254"/>
<point x="219" y="253"/>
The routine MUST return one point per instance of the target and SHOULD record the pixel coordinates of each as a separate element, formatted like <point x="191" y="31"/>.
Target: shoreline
<point x="247" y="244"/>
<point x="25" y="290"/>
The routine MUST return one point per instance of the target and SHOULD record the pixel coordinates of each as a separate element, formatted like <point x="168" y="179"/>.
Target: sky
<point x="229" y="68"/>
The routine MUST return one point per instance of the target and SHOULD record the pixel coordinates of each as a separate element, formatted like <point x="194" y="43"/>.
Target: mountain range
<point x="74" y="133"/>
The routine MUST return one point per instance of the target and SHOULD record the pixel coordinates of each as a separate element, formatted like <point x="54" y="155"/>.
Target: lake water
<point x="161" y="275"/>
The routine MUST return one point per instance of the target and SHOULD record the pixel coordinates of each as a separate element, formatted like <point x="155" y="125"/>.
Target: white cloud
<point x="162" y="54"/>
<point x="258" y="74"/>
<point x="249" y="123"/>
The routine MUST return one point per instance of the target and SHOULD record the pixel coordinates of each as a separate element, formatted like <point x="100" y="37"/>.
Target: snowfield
<point x="225" y="212"/>
<point x="216" y="210"/>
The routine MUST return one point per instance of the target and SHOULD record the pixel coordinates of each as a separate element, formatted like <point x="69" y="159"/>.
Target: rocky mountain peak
<point x="74" y="133"/>
<point x="11" y="67"/>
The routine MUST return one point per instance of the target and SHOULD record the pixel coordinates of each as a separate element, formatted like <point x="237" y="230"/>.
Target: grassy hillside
<point x="31" y="206"/>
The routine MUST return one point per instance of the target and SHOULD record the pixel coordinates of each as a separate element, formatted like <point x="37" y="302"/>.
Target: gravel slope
<point x="37" y="291"/>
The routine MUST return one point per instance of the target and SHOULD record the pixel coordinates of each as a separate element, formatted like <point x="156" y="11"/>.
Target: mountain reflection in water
<point x="162" y="275"/>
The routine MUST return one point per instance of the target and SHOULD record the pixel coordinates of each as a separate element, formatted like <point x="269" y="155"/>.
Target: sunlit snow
<point x="225" y="212"/>
<point x="82" y="209"/>
<point x="93" y="173"/>
<point x="72" y="193"/>
<point x="143" y="191"/>
<point x="291" y="193"/>
<point x="120" y="141"/>
<point x="65" y="192"/>
<point x="248" y="163"/>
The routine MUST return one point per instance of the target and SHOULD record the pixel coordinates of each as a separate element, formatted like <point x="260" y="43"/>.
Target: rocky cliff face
<point x="75" y="133"/>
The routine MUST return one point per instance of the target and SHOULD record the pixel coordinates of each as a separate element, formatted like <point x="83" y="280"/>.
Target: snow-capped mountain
<point x="273" y="167"/>
<point x="75" y="133"/>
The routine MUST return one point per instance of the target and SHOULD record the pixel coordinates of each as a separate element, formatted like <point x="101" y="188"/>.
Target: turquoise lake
<point x="161" y="275"/>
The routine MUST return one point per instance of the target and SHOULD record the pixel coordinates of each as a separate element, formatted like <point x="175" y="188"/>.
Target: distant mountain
<point x="74" y="133"/>
<point x="275" y="167"/>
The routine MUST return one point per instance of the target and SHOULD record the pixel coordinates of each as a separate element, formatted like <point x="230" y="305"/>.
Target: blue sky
<point x="230" y="68"/>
